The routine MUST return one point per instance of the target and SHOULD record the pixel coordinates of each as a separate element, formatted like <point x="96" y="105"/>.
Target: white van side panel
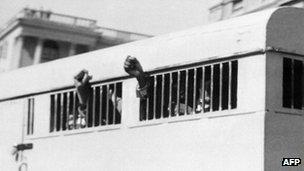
<point x="11" y="114"/>
<point x="220" y="143"/>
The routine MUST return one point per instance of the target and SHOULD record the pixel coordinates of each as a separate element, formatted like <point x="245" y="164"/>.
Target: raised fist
<point x="133" y="67"/>
<point x="83" y="86"/>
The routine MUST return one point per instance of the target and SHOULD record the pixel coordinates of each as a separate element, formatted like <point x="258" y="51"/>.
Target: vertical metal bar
<point x="147" y="108"/>
<point x="107" y="105"/>
<point x="24" y="122"/>
<point x="93" y="106"/>
<point x="178" y="89"/>
<point x="202" y="96"/>
<point x="292" y="83"/>
<point x="154" y="97"/>
<point x="194" y="90"/>
<point x="211" y="88"/>
<point x="32" y="114"/>
<point x="56" y="111"/>
<point x="28" y="116"/>
<point x="186" y="91"/>
<point x="170" y="94"/>
<point x="229" y="85"/>
<point x="68" y="110"/>
<point x="74" y="109"/>
<point x="220" y="86"/>
<point x="114" y="103"/>
<point x="162" y="95"/>
<point x="87" y="113"/>
<point x="100" y="106"/>
<point x="61" y="111"/>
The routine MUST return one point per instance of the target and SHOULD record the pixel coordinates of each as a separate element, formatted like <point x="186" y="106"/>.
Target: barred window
<point x="104" y="108"/>
<point x="293" y="83"/>
<point x="50" y="51"/>
<point x="30" y="116"/>
<point x="193" y="90"/>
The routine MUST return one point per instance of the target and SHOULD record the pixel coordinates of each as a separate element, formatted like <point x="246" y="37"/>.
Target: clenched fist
<point x="133" y="67"/>
<point x="83" y="86"/>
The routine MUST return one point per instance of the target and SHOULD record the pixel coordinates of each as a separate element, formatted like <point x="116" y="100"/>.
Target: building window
<point x="189" y="91"/>
<point x="293" y="83"/>
<point x="104" y="108"/>
<point x="237" y="4"/>
<point x="30" y="116"/>
<point x="81" y="49"/>
<point x="50" y="51"/>
<point x="28" y="51"/>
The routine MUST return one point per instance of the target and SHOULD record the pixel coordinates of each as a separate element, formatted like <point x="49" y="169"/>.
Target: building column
<point x="38" y="51"/>
<point x="72" y="49"/>
<point x="16" y="57"/>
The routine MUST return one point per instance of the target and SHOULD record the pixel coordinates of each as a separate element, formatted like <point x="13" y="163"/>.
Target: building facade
<point x="37" y="36"/>
<point x="223" y="9"/>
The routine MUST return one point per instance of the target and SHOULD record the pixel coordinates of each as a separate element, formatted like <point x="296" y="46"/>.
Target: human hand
<point x="133" y="67"/>
<point x="83" y="86"/>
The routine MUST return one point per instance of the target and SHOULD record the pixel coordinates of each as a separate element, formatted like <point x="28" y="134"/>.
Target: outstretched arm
<point x="83" y="87"/>
<point x="133" y="68"/>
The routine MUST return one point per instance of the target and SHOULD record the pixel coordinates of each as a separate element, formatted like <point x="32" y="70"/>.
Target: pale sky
<point x="142" y="16"/>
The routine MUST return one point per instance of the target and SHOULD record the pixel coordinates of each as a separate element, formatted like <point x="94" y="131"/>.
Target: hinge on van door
<point x="21" y="147"/>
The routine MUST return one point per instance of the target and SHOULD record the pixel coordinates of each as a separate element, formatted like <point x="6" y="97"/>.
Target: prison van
<point x="240" y="82"/>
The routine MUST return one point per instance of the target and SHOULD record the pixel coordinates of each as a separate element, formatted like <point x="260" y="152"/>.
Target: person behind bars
<point x="84" y="92"/>
<point x="144" y="91"/>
